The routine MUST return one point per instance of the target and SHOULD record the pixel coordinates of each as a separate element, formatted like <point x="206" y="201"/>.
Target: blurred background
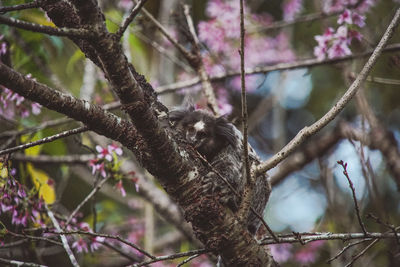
<point x="310" y="192"/>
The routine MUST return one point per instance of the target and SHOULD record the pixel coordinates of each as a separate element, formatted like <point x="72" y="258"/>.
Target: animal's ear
<point x="225" y="130"/>
<point x="189" y="104"/>
<point x="177" y="114"/>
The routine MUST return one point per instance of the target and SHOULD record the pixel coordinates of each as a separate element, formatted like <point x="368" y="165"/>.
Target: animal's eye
<point x="201" y="135"/>
<point x="191" y="129"/>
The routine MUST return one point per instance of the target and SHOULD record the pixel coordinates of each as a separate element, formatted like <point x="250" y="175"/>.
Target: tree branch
<point x="338" y="107"/>
<point x="69" y="32"/>
<point x="33" y="4"/>
<point x="130" y="18"/>
<point x="305" y="63"/>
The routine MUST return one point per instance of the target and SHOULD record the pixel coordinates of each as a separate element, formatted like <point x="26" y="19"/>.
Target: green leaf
<point x="78" y="55"/>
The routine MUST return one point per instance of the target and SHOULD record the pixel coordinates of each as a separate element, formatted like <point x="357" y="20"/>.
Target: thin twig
<point x="132" y="257"/>
<point x="379" y="80"/>
<point x="69" y="32"/>
<point x="33" y="4"/>
<point x="46" y="159"/>
<point x="169" y="37"/>
<point x="337" y="108"/>
<point x="346" y="248"/>
<point x="249" y="178"/>
<point x="87" y="198"/>
<point x="305" y="18"/>
<point x="36" y="238"/>
<point x="172" y="256"/>
<point x="52" y="123"/>
<point x="199" y="65"/>
<point x="130" y="18"/>
<point x="126" y="242"/>
<point x="63" y="238"/>
<point x="310" y="237"/>
<point x="305" y="63"/>
<point x="187" y="260"/>
<point x="388" y="225"/>
<point x="20" y="263"/>
<point x="353" y="191"/>
<point x="45" y="140"/>
<point x="361" y="253"/>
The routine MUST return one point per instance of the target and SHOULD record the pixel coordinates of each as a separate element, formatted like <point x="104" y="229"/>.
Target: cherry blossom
<point x="103" y="153"/>
<point x="115" y="148"/>
<point x="80" y="245"/>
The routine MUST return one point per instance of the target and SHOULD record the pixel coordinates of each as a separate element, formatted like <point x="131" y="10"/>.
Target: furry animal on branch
<point x="221" y="143"/>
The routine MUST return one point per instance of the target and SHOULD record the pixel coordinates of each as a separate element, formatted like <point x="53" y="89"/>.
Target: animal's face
<point x="206" y="133"/>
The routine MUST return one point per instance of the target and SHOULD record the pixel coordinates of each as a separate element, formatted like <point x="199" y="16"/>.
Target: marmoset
<point x="220" y="142"/>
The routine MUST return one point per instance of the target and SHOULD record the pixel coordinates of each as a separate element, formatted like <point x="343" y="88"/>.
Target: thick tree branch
<point x="94" y="117"/>
<point x="81" y="33"/>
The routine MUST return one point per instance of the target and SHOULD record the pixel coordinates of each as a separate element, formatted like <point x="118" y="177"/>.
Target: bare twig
<point x="87" y="198"/>
<point x="361" y="253"/>
<point x="353" y="191"/>
<point x="33" y="4"/>
<point x="346" y="248"/>
<point x="305" y="63"/>
<point x="46" y="159"/>
<point x="310" y="237"/>
<point x="172" y="256"/>
<point x="250" y="179"/>
<point x="20" y="263"/>
<point x="130" y="18"/>
<point x="379" y="80"/>
<point x="126" y="242"/>
<point x="338" y="107"/>
<point x="164" y="31"/>
<point x="63" y="238"/>
<point x="36" y="238"/>
<point x="45" y="140"/>
<point x="187" y="260"/>
<point x="199" y="66"/>
<point x="388" y="225"/>
<point x="52" y="123"/>
<point x="69" y="32"/>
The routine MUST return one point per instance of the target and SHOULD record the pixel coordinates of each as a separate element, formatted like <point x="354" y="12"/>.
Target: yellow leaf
<point x="35" y="150"/>
<point x="3" y="171"/>
<point x="40" y="179"/>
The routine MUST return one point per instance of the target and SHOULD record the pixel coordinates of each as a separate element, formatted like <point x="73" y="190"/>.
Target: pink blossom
<point x="103" y="153"/>
<point x="121" y="188"/>
<point x="281" y="252"/>
<point x="291" y="8"/>
<point x="125" y="4"/>
<point x="341" y="33"/>
<point x="353" y="34"/>
<point x="96" y="242"/>
<point x="36" y="108"/>
<point x="97" y="167"/>
<point x="115" y="148"/>
<point x="345" y="17"/>
<point x="85" y="226"/>
<point x="3" y="48"/>
<point x="358" y="19"/>
<point x="308" y="254"/>
<point x="223" y="102"/>
<point x="5" y="208"/>
<point x="80" y="245"/>
<point x="339" y="49"/>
